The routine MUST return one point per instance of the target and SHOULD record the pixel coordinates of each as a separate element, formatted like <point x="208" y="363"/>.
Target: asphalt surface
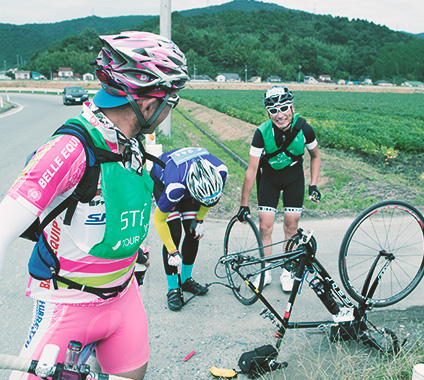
<point x="216" y="326"/>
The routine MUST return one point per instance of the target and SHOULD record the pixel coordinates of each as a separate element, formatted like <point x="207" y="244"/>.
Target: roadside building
<point x="384" y="83"/>
<point x="309" y="80"/>
<point x="273" y="78"/>
<point x="411" y="83"/>
<point x="23" y="75"/>
<point x="228" y="77"/>
<point x="87" y="76"/>
<point x="65" y="72"/>
<point x="255" y="79"/>
<point x="325" y="79"/>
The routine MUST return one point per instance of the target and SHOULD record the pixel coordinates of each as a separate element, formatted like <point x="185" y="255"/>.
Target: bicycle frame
<point x="305" y="253"/>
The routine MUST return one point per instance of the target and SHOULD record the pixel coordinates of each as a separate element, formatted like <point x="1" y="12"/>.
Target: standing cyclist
<point x="191" y="183"/>
<point x="140" y="74"/>
<point x="276" y="162"/>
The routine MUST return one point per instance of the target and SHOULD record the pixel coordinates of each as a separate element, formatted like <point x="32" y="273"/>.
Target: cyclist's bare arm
<point x="315" y="164"/>
<point x="249" y="180"/>
<point x="14" y="219"/>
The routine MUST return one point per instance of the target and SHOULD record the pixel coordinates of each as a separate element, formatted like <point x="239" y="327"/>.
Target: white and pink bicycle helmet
<point x="141" y="62"/>
<point x="134" y="64"/>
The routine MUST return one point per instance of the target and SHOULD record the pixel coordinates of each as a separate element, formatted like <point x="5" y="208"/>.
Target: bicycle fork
<point x="389" y="257"/>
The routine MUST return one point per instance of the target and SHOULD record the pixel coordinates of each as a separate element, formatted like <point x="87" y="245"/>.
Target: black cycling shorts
<point x="291" y="181"/>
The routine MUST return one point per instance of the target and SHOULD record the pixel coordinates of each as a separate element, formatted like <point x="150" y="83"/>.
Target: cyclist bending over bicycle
<point x="191" y="183"/>
<point x="276" y="162"/>
<point x="94" y="296"/>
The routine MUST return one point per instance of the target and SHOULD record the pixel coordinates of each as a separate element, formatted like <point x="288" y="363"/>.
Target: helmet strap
<point x="146" y="124"/>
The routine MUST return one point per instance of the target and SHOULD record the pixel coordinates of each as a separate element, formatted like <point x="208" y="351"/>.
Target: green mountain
<point x="19" y="42"/>
<point x="264" y="39"/>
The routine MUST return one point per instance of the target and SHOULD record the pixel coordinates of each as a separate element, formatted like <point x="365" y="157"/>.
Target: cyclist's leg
<point x="119" y="325"/>
<point x="190" y="245"/>
<point x="293" y="193"/>
<point x="269" y="193"/>
<point x="189" y="249"/>
<point x="266" y="227"/>
<point x="268" y="197"/>
<point x="291" y="221"/>
<point x="47" y="319"/>
<point x="124" y="347"/>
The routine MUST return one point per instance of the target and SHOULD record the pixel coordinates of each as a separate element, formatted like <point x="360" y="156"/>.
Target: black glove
<point x="314" y="194"/>
<point x="243" y="213"/>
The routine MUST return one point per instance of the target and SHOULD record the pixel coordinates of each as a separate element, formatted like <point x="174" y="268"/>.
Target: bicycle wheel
<point x="385" y="241"/>
<point x="243" y="238"/>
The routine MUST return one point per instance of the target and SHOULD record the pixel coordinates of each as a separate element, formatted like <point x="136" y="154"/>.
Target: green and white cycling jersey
<point x="99" y="248"/>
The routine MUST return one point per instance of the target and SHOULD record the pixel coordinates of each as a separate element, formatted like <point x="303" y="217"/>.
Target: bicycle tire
<point x="393" y="227"/>
<point x="243" y="237"/>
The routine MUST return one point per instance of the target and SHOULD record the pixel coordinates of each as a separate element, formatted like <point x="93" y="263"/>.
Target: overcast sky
<point x="405" y="15"/>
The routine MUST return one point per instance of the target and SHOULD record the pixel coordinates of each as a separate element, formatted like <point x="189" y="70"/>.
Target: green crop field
<point x="380" y="124"/>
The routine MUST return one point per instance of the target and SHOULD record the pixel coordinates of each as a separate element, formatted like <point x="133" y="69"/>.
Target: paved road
<point x="216" y="326"/>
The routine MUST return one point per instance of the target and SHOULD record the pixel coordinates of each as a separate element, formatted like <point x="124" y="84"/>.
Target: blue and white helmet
<point x="204" y="182"/>
<point x="278" y="95"/>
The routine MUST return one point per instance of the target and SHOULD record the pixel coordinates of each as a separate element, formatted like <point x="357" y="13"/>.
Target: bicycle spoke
<point x="243" y="238"/>
<point x="390" y="230"/>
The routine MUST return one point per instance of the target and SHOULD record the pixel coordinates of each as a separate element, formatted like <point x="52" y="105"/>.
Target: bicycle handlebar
<point x="15" y="363"/>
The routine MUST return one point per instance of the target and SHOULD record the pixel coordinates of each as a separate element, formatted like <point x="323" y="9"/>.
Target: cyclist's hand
<point x="143" y="256"/>
<point x="197" y="228"/>
<point x="175" y="258"/>
<point x="314" y="194"/>
<point x="243" y="213"/>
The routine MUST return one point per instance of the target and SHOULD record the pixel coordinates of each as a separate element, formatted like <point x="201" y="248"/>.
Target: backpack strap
<point x="148" y="156"/>
<point x="104" y="293"/>
<point x="87" y="186"/>
<point x="289" y="139"/>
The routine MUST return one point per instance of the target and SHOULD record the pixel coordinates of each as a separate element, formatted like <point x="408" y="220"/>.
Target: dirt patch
<point x="89" y="85"/>
<point x="303" y="87"/>
<point x="225" y="86"/>
<point x="228" y="128"/>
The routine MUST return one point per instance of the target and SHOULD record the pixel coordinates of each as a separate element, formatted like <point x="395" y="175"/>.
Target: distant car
<point x="74" y="95"/>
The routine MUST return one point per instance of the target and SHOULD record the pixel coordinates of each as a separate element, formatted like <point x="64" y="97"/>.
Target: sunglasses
<point x="283" y="109"/>
<point x="173" y="101"/>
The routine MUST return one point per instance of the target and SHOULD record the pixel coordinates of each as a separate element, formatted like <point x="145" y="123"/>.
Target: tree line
<point x="282" y="42"/>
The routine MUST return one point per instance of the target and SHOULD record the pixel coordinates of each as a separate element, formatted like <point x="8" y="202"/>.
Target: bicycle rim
<point x="392" y="227"/>
<point x="239" y="238"/>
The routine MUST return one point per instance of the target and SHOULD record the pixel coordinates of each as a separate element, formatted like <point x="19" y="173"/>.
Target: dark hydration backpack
<point x="44" y="264"/>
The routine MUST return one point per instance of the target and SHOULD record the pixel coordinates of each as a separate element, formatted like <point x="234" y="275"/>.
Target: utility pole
<point x="165" y="126"/>
<point x="165" y="30"/>
<point x="245" y="73"/>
